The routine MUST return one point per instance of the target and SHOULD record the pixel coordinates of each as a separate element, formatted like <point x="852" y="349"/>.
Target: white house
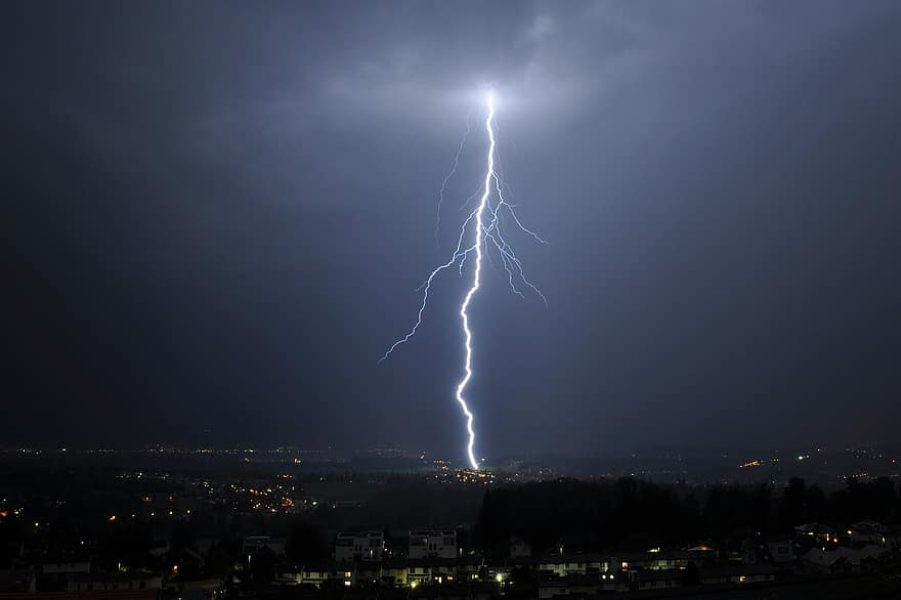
<point x="359" y="545"/>
<point x="433" y="544"/>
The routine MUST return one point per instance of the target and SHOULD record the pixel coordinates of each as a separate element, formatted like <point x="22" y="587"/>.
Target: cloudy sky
<point x="216" y="216"/>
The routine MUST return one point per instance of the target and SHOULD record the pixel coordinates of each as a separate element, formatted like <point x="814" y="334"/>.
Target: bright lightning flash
<point x="487" y="220"/>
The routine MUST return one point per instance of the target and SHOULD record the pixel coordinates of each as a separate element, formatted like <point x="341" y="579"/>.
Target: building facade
<point x="433" y="544"/>
<point x="359" y="545"/>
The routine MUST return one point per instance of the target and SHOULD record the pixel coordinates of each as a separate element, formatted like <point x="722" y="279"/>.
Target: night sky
<point x="216" y="216"/>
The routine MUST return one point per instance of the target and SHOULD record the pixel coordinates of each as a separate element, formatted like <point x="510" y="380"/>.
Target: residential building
<point x="114" y="582"/>
<point x="740" y="574"/>
<point x="255" y="543"/>
<point x="433" y="544"/>
<point x="359" y="545"/>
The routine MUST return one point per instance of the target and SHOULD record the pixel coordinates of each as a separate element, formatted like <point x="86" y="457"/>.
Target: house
<point x="55" y="575"/>
<point x="816" y="534"/>
<point x="584" y="585"/>
<point x="315" y="574"/>
<point x="255" y="543"/>
<point x="563" y="565"/>
<point x="394" y="573"/>
<point x="764" y="550"/>
<point x="875" y="552"/>
<point x="656" y="579"/>
<point x="832" y="560"/>
<point x="438" y="570"/>
<point x="114" y="582"/>
<point x="359" y="545"/>
<point x="427" y="571"/>
<point x="651" y="561"/>
<point x="741" y="574"/>
<point x="433" y="544"/>
<point x="481" y="591"/>
<point x="66" y="568"/>
<point x="868" y="532"/>
<point x="198" y="589"/>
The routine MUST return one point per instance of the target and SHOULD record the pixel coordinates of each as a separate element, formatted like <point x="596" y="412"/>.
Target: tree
<point x="792" y="505"/>
<point x="305" y="543"/>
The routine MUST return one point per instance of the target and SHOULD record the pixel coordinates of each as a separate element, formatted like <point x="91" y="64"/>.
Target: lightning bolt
<point x="486" y="220"/>
<point x="447" y="178"/>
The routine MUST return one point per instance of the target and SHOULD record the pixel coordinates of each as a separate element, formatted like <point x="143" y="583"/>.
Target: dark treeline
<point x="628" y="514"/>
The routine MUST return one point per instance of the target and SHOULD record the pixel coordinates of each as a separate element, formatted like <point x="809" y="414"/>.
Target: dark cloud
<point x="216" y="215"/>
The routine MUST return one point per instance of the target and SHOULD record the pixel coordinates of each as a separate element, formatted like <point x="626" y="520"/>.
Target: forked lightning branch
<point x="481" y="232"/>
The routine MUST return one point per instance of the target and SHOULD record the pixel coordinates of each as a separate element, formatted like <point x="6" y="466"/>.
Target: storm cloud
<point x="217" y="215"/>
